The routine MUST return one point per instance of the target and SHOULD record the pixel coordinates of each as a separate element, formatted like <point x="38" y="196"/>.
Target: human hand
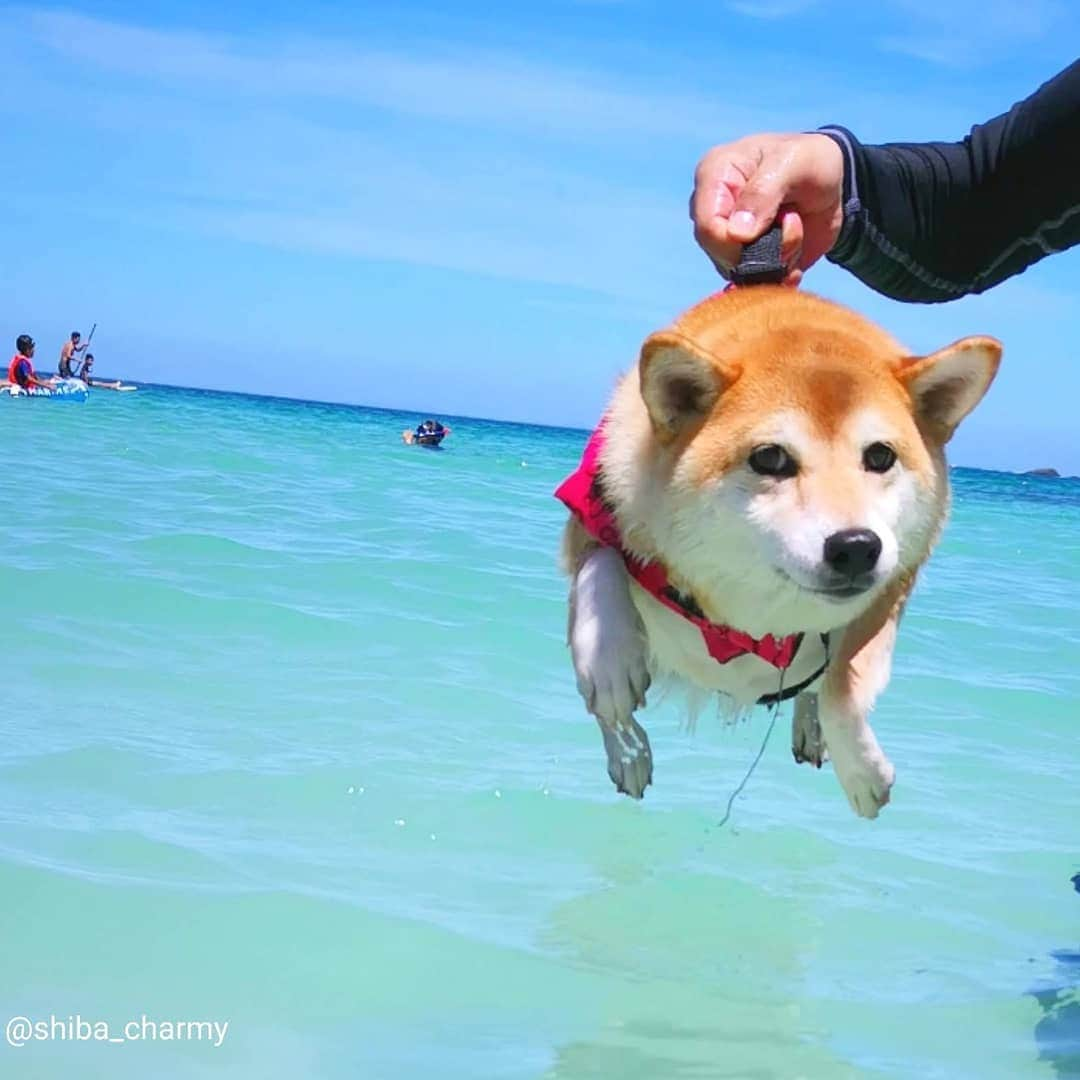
<point x="742" y="187"/>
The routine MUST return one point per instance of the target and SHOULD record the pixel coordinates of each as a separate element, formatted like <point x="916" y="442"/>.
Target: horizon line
<point x="356" y="405"/>
<point x="489" y="419"/>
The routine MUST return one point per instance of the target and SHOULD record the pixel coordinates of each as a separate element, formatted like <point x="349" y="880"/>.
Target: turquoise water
<point x="290" y="740"/>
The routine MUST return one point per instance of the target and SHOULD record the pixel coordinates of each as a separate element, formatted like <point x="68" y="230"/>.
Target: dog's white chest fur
<point x="676" y="647"/>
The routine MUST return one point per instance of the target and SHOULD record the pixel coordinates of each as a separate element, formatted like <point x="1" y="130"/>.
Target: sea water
<point x="291" y="742"/>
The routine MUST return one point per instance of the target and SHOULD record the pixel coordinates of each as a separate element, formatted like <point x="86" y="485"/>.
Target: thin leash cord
<point x="760" y="754"/>
<point x="765" y="742"/>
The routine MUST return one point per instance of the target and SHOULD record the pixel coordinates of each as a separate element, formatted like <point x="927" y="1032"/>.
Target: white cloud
<point x="447" y="83"/>
<point x="770" y="9"/>
<point x="327" y="148"/>
<point x="964" y="33"/>
<point x="434" y="156"/>
<point x="260" y="174"/>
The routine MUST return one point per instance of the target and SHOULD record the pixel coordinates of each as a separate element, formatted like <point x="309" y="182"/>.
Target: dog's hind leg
<point x="807" y="742"/>
<point x="607" y="643"/>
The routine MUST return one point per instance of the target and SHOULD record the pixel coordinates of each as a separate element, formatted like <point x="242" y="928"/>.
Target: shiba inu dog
<point x="750" y="517"/>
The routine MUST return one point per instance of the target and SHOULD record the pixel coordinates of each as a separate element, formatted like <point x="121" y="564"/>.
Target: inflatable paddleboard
<point x="64" y="390"/>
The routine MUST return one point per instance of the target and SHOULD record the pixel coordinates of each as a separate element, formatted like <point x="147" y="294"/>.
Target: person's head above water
<point x="24" y="343"/>
<point x="75" y="335"/>
<point x="89" y="357"/>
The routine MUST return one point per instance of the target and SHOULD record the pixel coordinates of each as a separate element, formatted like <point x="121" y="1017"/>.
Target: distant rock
<point x="1042" y="472"/>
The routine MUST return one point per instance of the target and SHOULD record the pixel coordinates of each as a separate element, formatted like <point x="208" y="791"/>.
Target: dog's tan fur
<point x="766" y="365"/>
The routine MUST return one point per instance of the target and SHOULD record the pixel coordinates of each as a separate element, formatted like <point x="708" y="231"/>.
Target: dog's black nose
<point x="852" y="552"/>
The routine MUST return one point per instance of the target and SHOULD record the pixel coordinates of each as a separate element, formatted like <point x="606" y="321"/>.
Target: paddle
<point x="90" y="337"/>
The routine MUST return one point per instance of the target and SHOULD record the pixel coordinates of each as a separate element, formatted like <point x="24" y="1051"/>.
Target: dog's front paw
<point x="607" y="643"/>
<point x="612" y="672"/>
<point x="612" y="677"/>
<point x="612" y="692"/>
<point x="629" y="757"/>
<point x="867" y="777"/>
<point x="613" y="680"/>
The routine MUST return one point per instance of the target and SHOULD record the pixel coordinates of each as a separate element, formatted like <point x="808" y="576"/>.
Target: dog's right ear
<point x="945" y="386"/>
<point x="680" y="382"/>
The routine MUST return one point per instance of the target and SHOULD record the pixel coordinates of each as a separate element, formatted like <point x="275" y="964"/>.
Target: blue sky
<point x="473" y="208"/>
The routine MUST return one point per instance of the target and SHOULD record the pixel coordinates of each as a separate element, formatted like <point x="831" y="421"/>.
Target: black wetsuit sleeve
<point x="930" y="222"/>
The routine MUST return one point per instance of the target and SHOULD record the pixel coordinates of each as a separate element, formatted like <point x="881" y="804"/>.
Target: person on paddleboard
<point x="427" y="433"/>
<point x="67" y="354"/>
<point x="430" y="429"/>
<point x="21" y="369"/>
<point x="85" y="373"/>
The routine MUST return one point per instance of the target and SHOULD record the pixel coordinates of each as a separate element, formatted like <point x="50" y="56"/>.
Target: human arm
<point x="924" y="222"/>
<point x="936" y="221"/>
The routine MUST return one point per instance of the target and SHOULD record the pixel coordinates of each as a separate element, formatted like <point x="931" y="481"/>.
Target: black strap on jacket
<point x="790" y="691"/>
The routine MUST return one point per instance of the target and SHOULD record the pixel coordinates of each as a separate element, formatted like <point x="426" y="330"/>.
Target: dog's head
<point x="804" y="446"/>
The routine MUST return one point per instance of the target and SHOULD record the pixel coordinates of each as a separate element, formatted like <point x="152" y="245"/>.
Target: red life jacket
<point x="17" y="373"/>
<point x="580" y="494"/>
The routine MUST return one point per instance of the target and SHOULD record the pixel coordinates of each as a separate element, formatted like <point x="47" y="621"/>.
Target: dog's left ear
<point x="946" y="385"/>
<point x="680" y="382"/>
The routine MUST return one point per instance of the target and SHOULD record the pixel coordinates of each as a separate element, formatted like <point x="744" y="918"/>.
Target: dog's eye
<point x="773" y="460"/>
<point x="878" y="457"/>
